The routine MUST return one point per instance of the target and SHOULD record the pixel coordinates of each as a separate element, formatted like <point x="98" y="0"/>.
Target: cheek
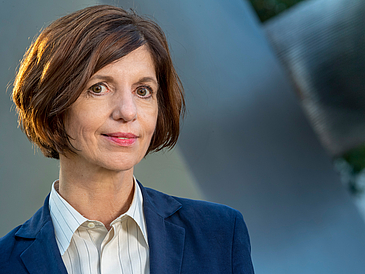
<point x="148" y="118"/>
<point x="79" y="126"/>
<point x="153" y="121"/>
<point x="69" y="124"/>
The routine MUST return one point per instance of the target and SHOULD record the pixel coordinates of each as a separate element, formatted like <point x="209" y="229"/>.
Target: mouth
<point x="121" y="139"/>
<point x="121" y="135"/>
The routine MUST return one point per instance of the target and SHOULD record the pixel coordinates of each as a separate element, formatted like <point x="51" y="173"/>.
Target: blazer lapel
<point x="42" y="255"/>
<point x="165" y="239"/>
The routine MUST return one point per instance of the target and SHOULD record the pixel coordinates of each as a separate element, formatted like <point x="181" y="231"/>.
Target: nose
<point x="125" y="107"/>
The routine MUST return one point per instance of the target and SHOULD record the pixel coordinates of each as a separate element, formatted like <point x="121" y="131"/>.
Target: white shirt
<point x="87" y="247"/>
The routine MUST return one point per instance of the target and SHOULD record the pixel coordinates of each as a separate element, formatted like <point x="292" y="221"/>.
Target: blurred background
<point x="274" y="127"/>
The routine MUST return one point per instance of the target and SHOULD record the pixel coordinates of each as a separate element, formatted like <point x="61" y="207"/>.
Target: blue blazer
<point x="184" y="236"/>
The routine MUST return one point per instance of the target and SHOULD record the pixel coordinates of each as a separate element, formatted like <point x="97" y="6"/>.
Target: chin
<point x="119" y="165"/>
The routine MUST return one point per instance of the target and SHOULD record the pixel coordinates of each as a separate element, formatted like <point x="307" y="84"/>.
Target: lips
<point x="121" y="135"/>
<point x="121" y="138"/>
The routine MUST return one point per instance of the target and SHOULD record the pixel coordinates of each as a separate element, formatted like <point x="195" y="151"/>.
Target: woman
<point x="97" y="90"/>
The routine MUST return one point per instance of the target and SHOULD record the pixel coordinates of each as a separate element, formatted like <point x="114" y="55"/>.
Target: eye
<point x="98" y="88"/>
<point x="144" y="91"/>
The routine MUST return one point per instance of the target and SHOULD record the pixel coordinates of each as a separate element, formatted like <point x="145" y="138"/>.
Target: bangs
<point x="116" y="45"/>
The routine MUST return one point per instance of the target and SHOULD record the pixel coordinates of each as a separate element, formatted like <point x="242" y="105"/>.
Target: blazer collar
<point x="165" y="239"/>
<point x="31" y="228"/>
<point x="162" y="204"/>
<point x="42" y="255"/>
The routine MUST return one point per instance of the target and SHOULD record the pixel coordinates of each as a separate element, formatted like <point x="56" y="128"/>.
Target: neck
<point x="96" y="193"/>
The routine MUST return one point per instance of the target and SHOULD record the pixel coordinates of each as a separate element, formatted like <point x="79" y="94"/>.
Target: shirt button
<point x="91" y="225"/>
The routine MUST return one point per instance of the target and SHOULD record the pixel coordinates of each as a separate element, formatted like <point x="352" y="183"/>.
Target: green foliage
<point x="351" y="167"/>
<point x="266" y="9"/>
<point x="356" y="158"/>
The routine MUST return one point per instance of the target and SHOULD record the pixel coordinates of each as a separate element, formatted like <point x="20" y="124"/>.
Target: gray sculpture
<point x="322" y="45"/>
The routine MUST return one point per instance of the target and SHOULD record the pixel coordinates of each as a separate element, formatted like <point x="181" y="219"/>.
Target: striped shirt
<point x="87" y="247"/>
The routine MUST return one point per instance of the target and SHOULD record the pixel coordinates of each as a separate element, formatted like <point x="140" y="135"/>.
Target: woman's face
<point x="112" y="122"/>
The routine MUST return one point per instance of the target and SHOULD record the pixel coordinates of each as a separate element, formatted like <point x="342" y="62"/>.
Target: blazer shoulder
<point x="219" y="230"/>
<point x="192" y="208"/>
<point x="209" y="209"/>
<point x="21" y="237"/>
<point x="9" y="248"/>
<point x="8" y="240"/>
<point x="225" y="234"/>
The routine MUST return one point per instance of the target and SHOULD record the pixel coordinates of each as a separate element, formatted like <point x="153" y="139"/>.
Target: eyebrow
<point x="147" y="79"/>
<point x="111" y="79"/>
<point x="101" y="77"/>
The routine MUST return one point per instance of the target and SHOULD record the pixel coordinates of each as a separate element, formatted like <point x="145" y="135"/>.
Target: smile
<point x="121" y="139"/>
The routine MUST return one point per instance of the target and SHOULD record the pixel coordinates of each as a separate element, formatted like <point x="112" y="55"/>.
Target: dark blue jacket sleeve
<point x="241" y="248"/>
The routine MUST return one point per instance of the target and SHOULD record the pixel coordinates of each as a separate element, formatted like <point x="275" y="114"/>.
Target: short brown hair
<point x="58" y="64"/>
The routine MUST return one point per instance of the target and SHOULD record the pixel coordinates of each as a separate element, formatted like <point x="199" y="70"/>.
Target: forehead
<point x="137" y="63"/>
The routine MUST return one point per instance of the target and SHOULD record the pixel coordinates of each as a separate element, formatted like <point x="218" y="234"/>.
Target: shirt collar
<point x="135" y="210"/>
<point x="66" y="220"/>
